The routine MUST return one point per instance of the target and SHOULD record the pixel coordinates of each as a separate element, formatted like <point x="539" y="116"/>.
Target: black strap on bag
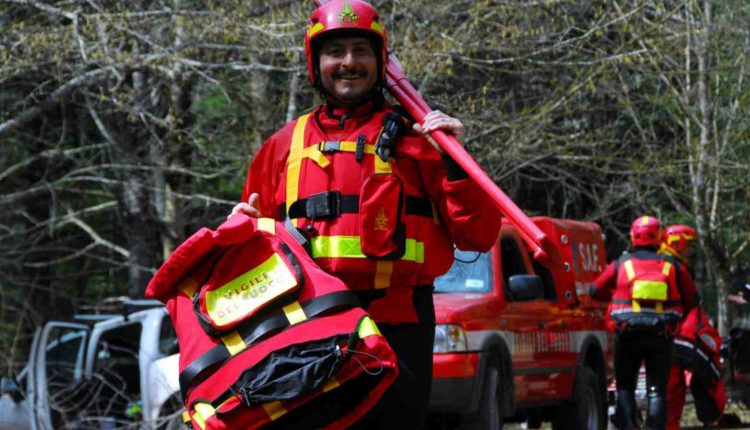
<point x="255" y="330"/>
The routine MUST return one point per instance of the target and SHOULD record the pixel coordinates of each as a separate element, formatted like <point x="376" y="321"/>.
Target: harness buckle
<point x="329" y="146"/>
<point x="323" y="205"/>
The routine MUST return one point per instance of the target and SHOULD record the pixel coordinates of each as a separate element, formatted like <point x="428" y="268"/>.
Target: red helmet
<point x="645" y="231"/>
<point x="677" y="238"/>
<point x="344" y="15"/>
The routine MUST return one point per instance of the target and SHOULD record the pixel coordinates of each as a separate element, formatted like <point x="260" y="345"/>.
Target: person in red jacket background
<point x="380" y="205"/>
<point x="697" y="348"/>
<point x="649" y="293"/>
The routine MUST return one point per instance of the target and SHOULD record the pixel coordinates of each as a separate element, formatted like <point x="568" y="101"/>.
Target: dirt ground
<point x="688" y="422"/>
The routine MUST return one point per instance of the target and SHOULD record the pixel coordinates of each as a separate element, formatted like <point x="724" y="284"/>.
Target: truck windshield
<point x="471" y="272"/>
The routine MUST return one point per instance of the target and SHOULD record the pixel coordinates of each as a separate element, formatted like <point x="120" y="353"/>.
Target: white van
<point x="101" y="371"/>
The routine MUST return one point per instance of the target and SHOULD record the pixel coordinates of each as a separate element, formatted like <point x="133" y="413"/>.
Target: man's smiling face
<point x="348" y="69"/>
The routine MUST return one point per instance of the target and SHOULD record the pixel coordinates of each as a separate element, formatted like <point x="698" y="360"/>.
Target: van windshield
<point x="471" y="272"/>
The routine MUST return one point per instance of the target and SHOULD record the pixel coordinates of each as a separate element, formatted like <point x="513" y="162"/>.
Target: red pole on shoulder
<point x="398" y="85"/>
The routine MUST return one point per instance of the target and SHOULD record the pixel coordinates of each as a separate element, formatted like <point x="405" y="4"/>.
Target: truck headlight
<point x="449" y="338"/>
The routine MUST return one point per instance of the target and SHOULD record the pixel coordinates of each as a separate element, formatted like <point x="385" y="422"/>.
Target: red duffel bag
<point x="268" y="339"/>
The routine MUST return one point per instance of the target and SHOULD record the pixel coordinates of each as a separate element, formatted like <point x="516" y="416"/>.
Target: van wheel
<point x="490" y="413"/>
<point x="584" y="411"/>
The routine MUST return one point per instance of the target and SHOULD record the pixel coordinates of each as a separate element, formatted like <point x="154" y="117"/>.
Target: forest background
<point x="127" y="125"/>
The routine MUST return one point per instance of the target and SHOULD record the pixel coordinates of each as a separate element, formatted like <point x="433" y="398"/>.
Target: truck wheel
<point x="490" y="413"/>
<point x="584" y="411"/>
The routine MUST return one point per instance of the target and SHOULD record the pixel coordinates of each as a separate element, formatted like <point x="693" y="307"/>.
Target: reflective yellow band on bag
<point x="383" y="272"/>
<point x="330" y="385"/>
<point x="349" y="247"/>
<point x="267" y="225"/>
<point x="667" y="267"/>
<point x="234" y="343"/>
<point x="649" y="290"/>
<point x="294" y="162"/>
<point x="294" y="313"/>
<point x="203" y="411"/>
<point x="188" y="287"/>
<point x="367" y="327"/>
<point x="274" y="409"/>
<point x="243" y="295"/>
<point x="629" y="270"/>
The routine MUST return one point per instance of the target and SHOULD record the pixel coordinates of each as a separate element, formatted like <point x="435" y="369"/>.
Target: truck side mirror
<point x="8" y="386"/>
<point x="526" y="287"/>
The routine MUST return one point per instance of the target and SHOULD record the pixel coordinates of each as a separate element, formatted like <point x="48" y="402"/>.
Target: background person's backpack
<point x="267" y="339"/>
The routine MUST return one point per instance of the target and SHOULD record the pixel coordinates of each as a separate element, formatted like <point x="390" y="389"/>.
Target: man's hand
<point x="249" y="208"/>
<point x="437" y="120"/>
<point x="736" y="298"/>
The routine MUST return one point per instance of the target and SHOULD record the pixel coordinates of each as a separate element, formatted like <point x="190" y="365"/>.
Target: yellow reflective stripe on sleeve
<point x="267" y="224"/>
<point x="185" y="417"/>
<point x="331" y="384"/>
<point x="234" y="343"/>
<point x="667" y="267"/>
<point x="313" y="153"/>
<point x="350" y="247"/>
<point x="274" y="409"/>
<point x="383" y="272"/>
<point x="629" y="270"/>
<point x="294" y="163"/>
<point x="203" y="411"/>
<point x="188" y="287"/>
<point x="294" y="313"/>
<point x="367" y="327"/>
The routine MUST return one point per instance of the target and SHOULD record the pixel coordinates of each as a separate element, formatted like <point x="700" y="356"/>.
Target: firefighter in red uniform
<point x="379" y="203"/>
<point x="649" y="293"/>
<point x="707" y="386"/>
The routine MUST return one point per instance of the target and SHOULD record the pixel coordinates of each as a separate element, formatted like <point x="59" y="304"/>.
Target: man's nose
<point x="349" y="59"/>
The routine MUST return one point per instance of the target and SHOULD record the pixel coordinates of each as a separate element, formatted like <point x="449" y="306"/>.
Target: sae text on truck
<point x="517" y="341"/>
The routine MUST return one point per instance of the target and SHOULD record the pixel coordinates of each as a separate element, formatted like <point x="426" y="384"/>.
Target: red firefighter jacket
<point x="312" y="162"/>
<point x="644" y="282"/>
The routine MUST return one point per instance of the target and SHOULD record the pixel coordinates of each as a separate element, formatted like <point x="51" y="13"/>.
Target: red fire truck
<point x="518" y="341"/>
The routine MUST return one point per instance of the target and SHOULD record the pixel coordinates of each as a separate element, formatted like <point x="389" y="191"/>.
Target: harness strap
<point x="275" y="409"/>
<point x="347" y="204"/>
<point x="255" y="330"/>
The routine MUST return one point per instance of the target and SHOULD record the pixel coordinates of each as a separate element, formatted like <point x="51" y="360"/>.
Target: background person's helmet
<point x="346" y="17"/>
<point x="645" y="231"/>
<point x="676" y="240"/>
